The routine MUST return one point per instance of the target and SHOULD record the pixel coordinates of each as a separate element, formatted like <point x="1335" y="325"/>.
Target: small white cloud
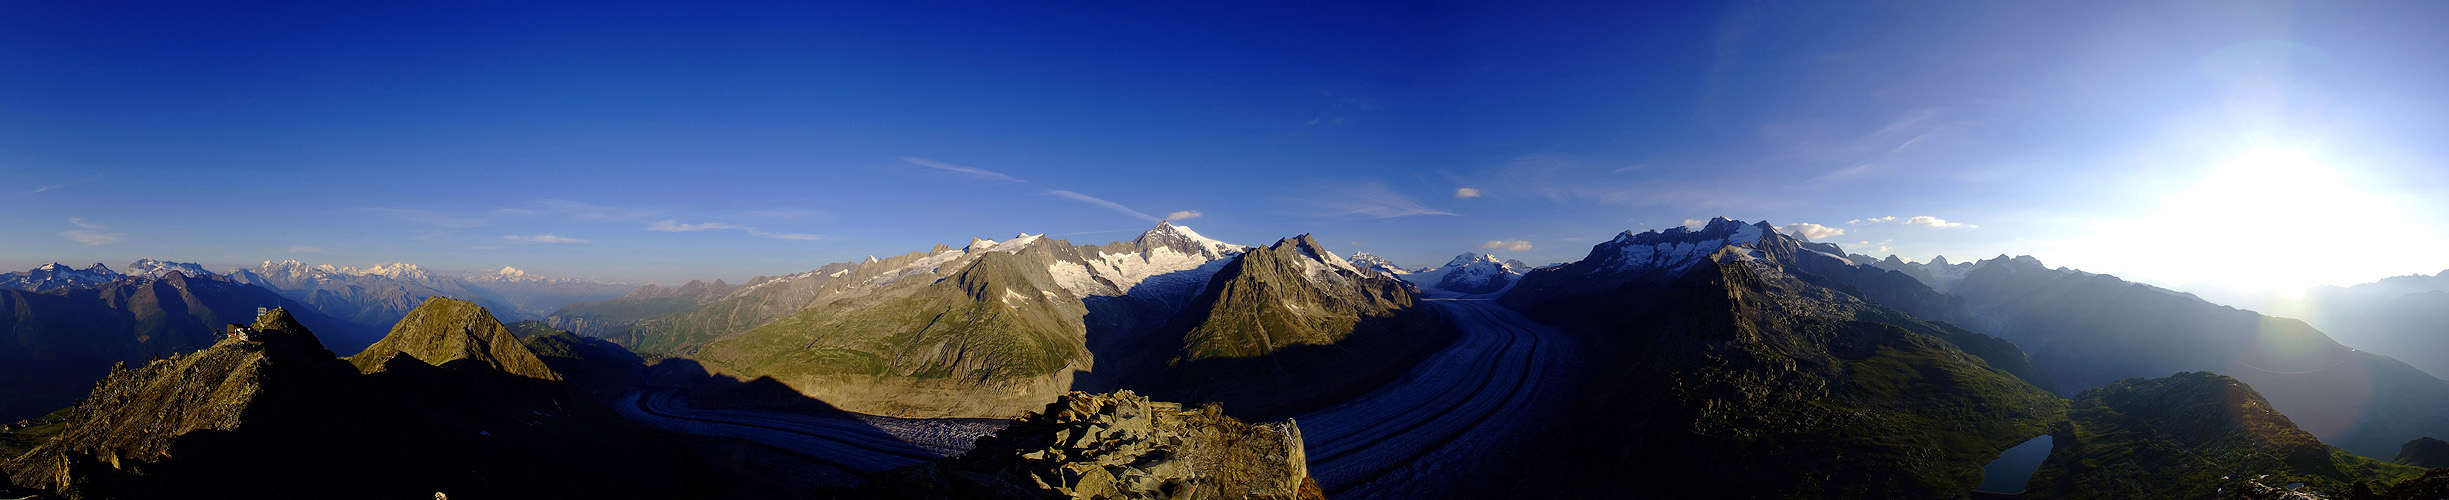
<point x="1467" y="193"/>
<point x="544" y="238"/>
<point x="1183" y="215"/>
<point x="1810" y="231"/>
<point x="1873" y="220"/>
<point x="673" y="226"/>
<point x="1695" y="224"/>
<point x="1510" y="246"/>
<point x="1937" y="222"/>
<point x="90" y="233"/>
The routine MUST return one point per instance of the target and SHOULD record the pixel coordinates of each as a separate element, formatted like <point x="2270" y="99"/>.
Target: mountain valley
<point x="1729" y="349"/>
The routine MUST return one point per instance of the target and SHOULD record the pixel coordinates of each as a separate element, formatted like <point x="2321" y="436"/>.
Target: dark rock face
<point x="1118" y="445"/>
<point x="1285" y="325"/>
<point x="1747" y="370"/>
<point x="2187" y="435"/>
<point x="2433" y="485"/>
<point x="2426" y="452"/>
<point x="276" y="415"/>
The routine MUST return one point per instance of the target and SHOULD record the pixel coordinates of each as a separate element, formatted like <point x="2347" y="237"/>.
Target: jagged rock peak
<point x="444" y="330"/>
<point x="1718" y="227"/>
<point x="278" y="320"/>
<point x="1372" y="261"/>
<point x="1468" y="258"/>
<point x="159" y="268"/>
<point x="1123" y="445"/>
<point x="2426" y="452"/>
<point x="1183" y="240"/>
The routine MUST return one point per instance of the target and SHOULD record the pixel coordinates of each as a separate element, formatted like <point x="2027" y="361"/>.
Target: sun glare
<point x="2269" y="220"/>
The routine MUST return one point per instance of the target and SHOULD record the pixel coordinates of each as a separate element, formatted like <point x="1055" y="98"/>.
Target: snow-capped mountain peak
<point x="1468" y="258"/>
<point x="56" y="276"/>
<point x="1678" y="247"/>
<point x="1369" y="261"/>
<point x="1468" y="274"/>
<point x="398" y="270"/>
<point x="151" y="268"/>
<point x="1185" y="241"/>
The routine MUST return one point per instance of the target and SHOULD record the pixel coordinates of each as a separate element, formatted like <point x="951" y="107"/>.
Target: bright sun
<point x="2269" y="220"/>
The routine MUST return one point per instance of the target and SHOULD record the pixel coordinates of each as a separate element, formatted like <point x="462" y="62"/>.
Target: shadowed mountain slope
<point x="1284" y="325"/>
<point x="275" y="415"/>
<point x="55" y="344"/>
<point x="1718" y="357"/>
<point x="2187" y="436"/>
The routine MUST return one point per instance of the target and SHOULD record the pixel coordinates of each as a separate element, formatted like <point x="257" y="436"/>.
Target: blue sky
<point x="643" y="142"/>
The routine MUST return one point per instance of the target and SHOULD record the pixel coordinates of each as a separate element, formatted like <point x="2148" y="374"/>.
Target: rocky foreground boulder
<point x="2433" y="485"/>
<point x="1117" y="446"/>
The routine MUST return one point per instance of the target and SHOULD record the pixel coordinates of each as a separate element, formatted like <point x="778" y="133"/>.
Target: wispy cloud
<point x="1873" y="220"/>
<point x="427" y="217"/>
<point x="1510" y="246"/>
<point x="544" y="238"/>
<point x="972" y="172"/>
<point x="91" y="234"/>
<point x="782" y="214"/>
<point x="63" y="185"/>
<point x="1092" y="200"/>
<point x="1937" y="223"/>
<point x="1810" y="231"/>
<point x="1466" y="193"/>
<point x="675" y="226"/>
<point x="1183" y="215"/>
<point x="788" y="236"/>
<point x="1373" y="200"/>
<point x="590" y="211"/>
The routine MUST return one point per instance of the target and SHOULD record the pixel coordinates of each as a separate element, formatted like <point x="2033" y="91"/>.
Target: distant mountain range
<point x="2085" y="330"/>
<point x="1763" y="363"/>
<point x="55" y="343"/>
<point x="2404" y="317"/>
<point x="382" y="294"/>
<point x="1008" y="324"/>
<point x="70" y="325"/>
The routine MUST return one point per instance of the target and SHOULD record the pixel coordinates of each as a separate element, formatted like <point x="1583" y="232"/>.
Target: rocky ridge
<point x="271" y="413"/>
<point x="445" y="330"/>
<point x="2186" y="435"/>
<point x="1119" y="446"/>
